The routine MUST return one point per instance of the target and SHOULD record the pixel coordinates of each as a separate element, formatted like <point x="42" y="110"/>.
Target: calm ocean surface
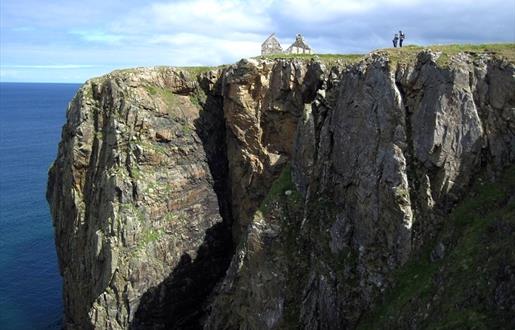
<point x="31" y="117"/>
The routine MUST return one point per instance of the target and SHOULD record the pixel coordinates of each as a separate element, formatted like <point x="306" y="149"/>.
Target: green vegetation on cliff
<point x="169" y="98"/>
<point x="328" y="59"/>
<point x="282" y="186"/>
<point x="408" y="54"/>
<point x="283" y="201"/>
<point x="196" y="70"/>
<point x="462" y="280"/>
<point x="152" y="206"/>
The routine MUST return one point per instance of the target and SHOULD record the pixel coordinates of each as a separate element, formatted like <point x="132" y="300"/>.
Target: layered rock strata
<point x="317" y="180"/>
<point x="134" y="201"/>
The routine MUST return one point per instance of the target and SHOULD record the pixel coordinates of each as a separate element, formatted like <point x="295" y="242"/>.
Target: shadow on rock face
<point x="179" y="302"/>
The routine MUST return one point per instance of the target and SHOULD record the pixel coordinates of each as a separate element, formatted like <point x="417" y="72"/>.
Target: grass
<point x="198" y="98"/>
<point x="147" y="237"/>
<point x="186" y="129"/>
<point x="130" y="208"/>
<point x="152" y="90"/>
<point x="404" y="55"/>
<point x="170" y="99"/>
<point x="282" y="204"/>
<point x="409" y="53"/>
<point x="282" y="184"/>
<point x="150" y="235"/>
<point x="454" y="292"/>
<point x="197" y="70"/>
<point x="157" y="147"/>
<point x="99" y="135"/>
<point x="328" y="59"/>
<point x="172" y="216"/>
<point x="135" y="173"/>
<point x="193" y="71"/>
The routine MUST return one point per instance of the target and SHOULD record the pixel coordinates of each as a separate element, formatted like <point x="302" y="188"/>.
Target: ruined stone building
<point x="271" y="46"/>
<point x="299" y="46"/>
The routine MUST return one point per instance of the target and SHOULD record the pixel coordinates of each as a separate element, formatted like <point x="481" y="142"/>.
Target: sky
<point x="71" y="41"/>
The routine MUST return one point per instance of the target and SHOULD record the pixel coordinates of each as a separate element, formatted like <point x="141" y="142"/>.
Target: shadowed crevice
<point x="179" y="302"/>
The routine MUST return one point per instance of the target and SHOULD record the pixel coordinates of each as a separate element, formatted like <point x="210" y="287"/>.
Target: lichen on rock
<point x="269" y="194"/>
<point x="134" y="199"/>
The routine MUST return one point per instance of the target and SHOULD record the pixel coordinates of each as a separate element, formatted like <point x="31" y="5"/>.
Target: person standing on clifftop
<point x="401" y="38"/>
<point x="395" y="39"/>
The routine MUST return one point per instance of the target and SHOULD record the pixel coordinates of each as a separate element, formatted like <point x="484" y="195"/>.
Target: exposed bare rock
<point x="381" y="154"/>
<point x="319" y="181"/>
<point x="134" y="204"/>
<point x="263" y="102"/>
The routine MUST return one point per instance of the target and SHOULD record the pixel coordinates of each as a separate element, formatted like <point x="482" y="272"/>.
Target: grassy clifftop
<point x="408" y="53"/>
<point x="405" y="54"/>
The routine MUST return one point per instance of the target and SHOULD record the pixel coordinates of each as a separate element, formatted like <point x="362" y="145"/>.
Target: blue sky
<point x="71" y="41"/>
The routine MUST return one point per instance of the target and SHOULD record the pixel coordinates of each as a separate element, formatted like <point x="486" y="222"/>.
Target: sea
<point x="31" y="117"/>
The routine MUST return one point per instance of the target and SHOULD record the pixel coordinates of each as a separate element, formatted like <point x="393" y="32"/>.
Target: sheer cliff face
<point x="381" y="153"/>
<point x="134" y="201"/>
<point x="326" y="178"/>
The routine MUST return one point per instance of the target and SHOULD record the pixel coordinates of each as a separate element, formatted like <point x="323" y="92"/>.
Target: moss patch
<point x="198" y="98"/>
<point x="131" y="209"/>
<point x="167" y="96"/>
<point x="283" y="203"/>
<point x="282" y="186"/>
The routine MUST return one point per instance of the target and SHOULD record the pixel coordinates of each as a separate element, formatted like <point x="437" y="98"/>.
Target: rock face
<point x="134" y="202"/>
<point x="317" y="180"/>
<point x="381" y="153"/>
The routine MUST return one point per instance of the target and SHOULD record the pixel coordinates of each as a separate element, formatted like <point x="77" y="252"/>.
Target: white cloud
<point x="209" y="15"/>
<point x="112" y="34"/>
<point x="233" y="28"/>
<point x="319" y="11"/>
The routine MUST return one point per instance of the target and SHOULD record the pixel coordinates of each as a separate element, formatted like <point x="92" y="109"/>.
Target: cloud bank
<point x="40" y="38"/>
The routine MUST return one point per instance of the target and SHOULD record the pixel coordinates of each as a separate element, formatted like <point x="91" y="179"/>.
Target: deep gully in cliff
<point x="219" y="245"/>
<point x="411" y="165"/>
<point x="181" y="300"/>
<point x="188" y="288"/>
<point x="211" y="129"/>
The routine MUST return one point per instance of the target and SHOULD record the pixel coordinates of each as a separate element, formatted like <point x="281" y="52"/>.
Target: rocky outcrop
<point x="400" y="146"/>
<point x="381" y="153"/>
<point x="464" y="278"/>
<point x="263" y="102"/>
<point x="327" y="178"/>
<point x="134" y="201"/>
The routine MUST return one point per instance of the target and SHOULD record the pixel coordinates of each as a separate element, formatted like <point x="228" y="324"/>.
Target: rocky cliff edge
<point x="273" y="193"/>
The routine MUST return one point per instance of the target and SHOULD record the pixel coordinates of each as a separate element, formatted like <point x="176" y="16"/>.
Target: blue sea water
<point x="31" y="117"/>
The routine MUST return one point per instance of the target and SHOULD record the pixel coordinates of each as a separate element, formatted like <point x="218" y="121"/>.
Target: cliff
<point x="281" y="192"/>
